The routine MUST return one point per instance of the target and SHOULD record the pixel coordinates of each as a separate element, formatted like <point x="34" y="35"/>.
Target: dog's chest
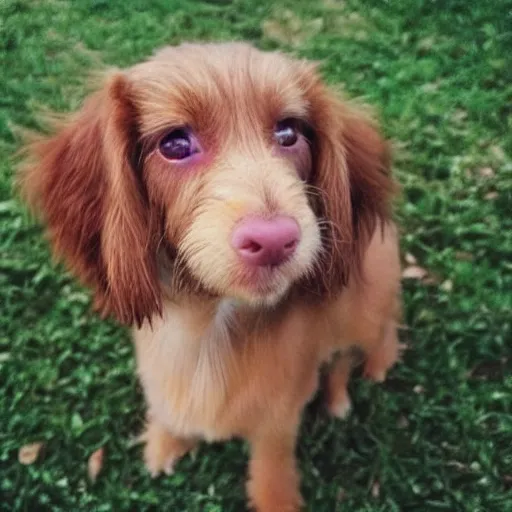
<point x="184" y="364"/>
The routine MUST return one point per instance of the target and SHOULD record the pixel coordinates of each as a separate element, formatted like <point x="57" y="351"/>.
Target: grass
<point x="437" y="436"/>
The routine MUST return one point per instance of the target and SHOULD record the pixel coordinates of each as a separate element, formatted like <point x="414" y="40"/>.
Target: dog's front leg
<point x="273" y="484"/>
<point x="162" y="449"/>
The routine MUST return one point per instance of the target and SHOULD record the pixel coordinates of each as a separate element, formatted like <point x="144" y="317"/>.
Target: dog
<point x="236" y="212"/>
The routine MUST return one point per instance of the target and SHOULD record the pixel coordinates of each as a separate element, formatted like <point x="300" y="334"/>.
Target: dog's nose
<point x="262" y="242"/>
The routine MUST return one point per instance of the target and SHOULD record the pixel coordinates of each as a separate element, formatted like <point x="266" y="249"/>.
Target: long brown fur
<point x="218" y="357"/>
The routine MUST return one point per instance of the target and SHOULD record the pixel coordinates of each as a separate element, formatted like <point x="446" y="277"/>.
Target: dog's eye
<point x="286" y="132"/>
<point x="178" y="145"/>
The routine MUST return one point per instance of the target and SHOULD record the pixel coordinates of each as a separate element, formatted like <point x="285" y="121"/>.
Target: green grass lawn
<point x="437" y="436"/>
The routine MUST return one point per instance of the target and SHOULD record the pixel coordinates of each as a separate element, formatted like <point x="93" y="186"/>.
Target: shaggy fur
<point x="223" y="350"/>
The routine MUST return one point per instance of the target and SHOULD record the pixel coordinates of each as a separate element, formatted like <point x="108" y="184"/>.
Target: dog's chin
<point x="264" y="288"/>
<point x="256" y="287"/>
<point x="256" y="296"/>
<point x="259" y="298"/>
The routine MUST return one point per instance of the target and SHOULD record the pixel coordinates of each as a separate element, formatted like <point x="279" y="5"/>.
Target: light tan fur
<point x="223" y="350"/>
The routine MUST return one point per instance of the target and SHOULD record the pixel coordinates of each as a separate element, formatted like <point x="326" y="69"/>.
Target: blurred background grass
<point x="438" y="434"/>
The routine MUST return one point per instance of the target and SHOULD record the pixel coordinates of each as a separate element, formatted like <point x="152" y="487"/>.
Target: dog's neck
<point x="190" y="350"/>
<point x="198" y="349"/>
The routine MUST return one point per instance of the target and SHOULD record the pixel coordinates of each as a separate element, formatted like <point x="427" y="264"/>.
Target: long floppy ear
<point x="353" y="179"/>
<point x="84" y="183"/>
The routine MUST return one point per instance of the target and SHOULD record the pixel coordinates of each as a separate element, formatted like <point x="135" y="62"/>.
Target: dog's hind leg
<point x="384" y="354"/>
<point x="338" y="399"/>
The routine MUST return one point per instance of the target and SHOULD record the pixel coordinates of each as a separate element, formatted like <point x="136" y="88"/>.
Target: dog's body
<point x="214" y="369"/>
<point x="224" y="201"/>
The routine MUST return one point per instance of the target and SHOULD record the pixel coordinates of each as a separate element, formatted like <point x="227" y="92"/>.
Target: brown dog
<point x="234" y="209"/>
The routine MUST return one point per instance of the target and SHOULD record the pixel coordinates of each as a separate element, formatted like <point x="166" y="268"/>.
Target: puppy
<point x="236" y="212"/>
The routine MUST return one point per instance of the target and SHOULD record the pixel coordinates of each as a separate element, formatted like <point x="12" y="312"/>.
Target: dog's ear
<point x="353" y="180"/>
<point x="84" y="182"/>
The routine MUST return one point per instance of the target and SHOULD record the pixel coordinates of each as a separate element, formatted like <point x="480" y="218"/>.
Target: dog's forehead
<point x="198" y="83"/>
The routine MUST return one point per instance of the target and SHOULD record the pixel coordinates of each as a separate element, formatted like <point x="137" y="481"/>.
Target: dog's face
<point x="236" y="169"/>
<point x="227" y="161"/>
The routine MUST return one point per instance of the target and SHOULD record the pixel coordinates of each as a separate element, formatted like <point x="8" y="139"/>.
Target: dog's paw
<point x="162" y="450"/>
<point x="158" y="463"/>
<point x="374" y="372"/>
<point x="341" y="406"/>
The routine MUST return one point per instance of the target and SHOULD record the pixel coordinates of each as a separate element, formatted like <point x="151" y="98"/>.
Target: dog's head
<point x="210" y="169"/>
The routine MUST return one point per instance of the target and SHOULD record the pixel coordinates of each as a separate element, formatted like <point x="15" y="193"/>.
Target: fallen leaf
<point x="376" y="489"/>
<point x="414" y="272"/>
<point x="349" y="24"/>
<point x="459" y="115"/>
<point x="432" y="279"/>
<point x="447" y="285"/>
<point x="333" y="4"/>
<point x="497" y="152"/>
<point x="463" y="256"/>
<point x="314" y="26"/>
<point x="430" y="87"/>
<point x="287" y="28"/>
<point x="410" y="259"/>
<point x="457" y="465"/>
<point x="95" y="464"/>
<point x="426" y="44"/>
<point x="486" y="172"/>
<point x="402" y="422"/>
<point x="28" y="454"/>
<point x="274" y="31"/>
